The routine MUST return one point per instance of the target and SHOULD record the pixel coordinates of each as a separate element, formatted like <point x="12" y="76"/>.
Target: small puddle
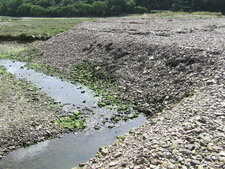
<point x="71" y="149"/>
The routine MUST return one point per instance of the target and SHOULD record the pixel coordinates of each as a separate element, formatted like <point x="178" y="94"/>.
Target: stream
<point x="70" y="149"/>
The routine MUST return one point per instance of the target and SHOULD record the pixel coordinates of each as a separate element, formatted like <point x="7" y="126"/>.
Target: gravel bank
<point x="190" y="135"/>
<point x="156" y="61"/>
<point x="143" y="54"/>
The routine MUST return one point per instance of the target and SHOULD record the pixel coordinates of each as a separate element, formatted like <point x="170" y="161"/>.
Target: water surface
<point x="70" y="149"/>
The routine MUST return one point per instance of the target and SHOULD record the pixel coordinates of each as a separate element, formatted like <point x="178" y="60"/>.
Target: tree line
<point x="74" y="8"/>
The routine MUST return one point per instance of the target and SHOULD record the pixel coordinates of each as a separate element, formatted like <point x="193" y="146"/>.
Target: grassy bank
<point x="29" y="29"/>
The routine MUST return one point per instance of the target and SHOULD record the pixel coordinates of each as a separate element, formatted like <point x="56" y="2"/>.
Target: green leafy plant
<point x="73" y="121"/>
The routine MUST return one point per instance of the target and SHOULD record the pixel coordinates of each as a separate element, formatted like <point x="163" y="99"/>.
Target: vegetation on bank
<point x="24" y="30"/>
<point x="95" y="77"/>
<point x="31" y="93"/>
<point x="30" y="29"/>
<point x="72" y="121"/>
<point x="74" y="8"/>
<point x="100" y="82"/>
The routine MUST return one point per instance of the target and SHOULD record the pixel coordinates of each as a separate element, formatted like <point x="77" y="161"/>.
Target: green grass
<point x="12" y="28"/>
<point x="7" y="49"/>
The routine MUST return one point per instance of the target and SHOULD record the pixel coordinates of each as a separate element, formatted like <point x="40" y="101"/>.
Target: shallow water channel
<point x="70" y="149"/>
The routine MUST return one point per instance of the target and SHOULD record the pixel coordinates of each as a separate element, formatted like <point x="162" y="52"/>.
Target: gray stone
<point x="190" y="146"/>
<point x="139" y="161"/>
<point x="104" y="151"/>
<point x="195" y="162"/>
<point x="211" y="82"/>
<point x="222" y="153"/>
<point x="185" y="151"/>
<point x="117" y="155"/>
<point x="113" y="163"/>
<point x="205" y="137"/>
<point x="123" y="165"/>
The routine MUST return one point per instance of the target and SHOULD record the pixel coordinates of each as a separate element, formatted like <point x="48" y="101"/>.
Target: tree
<point x="53" y="11"/>
<point x="57" y="8"/>
<point x="83" y="9"/>
<point x="67" y="11"/>
<point x="11" y="7"/>
<point x="45" y="3"/>
<point x="36" y="10"/>
<point x="182" y="5"/>
<point x="141" y="10"/>
<point x="66" y="2"/>
<point x="24" y="9"/>
<point x="3" y="8"/>
<point x="99" y="8"/>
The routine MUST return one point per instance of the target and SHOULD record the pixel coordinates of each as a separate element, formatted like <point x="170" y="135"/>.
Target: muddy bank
<point x="155" y="61"/>
<point x="25" y="114"/>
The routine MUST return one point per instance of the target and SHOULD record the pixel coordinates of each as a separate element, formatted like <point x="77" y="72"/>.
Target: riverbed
<point x="71" y="149"/>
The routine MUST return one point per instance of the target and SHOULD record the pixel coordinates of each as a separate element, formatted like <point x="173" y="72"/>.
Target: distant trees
<point x="71" y="8"/>
<point x="199" y="5"/>
<point x="99" y="8"/>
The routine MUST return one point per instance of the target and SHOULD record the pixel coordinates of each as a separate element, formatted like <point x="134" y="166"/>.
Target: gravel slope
<point x="191" y="135"/>
<point x="156" y="61"/>
<point x="143" y="54"/>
